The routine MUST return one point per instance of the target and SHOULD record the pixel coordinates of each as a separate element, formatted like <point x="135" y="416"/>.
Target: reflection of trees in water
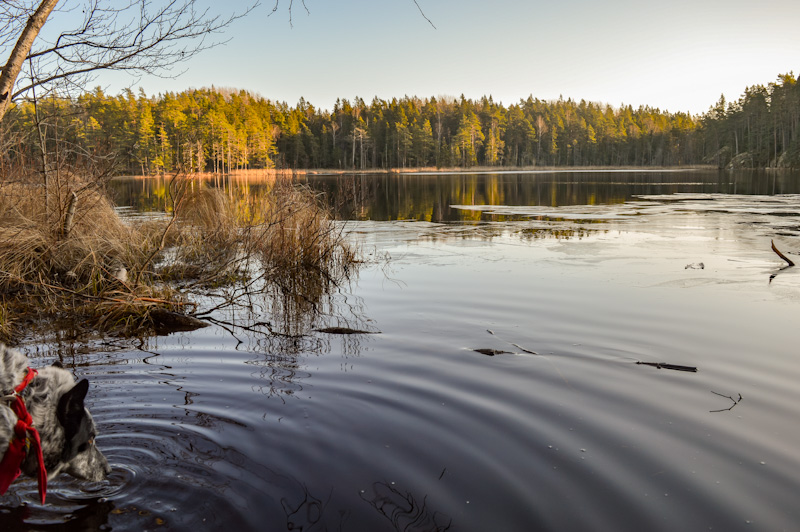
<point x="281" y="375"/>
<point x="405" y="512"/>
<point x="67" y="342"/>
<point x="428" y="197"/>
<point x="278" y="326"/>
<point x="280" y="315"/>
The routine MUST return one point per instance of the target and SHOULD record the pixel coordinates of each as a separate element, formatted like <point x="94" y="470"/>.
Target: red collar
<point x="25" y="435"/>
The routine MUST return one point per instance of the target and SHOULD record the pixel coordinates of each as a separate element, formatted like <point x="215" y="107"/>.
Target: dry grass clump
<point x="115" y="275"/>
<point x="6" y="323"/>
<point x="283" y="234"/>
<point x="303" y="253"/>
<point x="53" y="263"/>
<point x="202" y="239"/>
<point x="34" y="250"/>
<point x="297" y="240"/>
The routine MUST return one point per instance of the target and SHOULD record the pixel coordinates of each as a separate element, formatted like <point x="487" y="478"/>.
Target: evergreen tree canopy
<point x="220" y="130"/>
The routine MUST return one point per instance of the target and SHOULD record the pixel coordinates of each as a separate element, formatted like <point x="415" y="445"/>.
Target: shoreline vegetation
<point x="271" y="173"/>
<point x="69" y="260"/>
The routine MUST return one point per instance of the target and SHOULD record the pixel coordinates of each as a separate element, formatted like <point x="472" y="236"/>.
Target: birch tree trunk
<point x="13" y="65"/>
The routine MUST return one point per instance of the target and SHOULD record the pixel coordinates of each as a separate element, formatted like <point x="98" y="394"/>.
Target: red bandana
<point x="25" y="434"/>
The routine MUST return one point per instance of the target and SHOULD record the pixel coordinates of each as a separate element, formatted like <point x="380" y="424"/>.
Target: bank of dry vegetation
<point x="66" y="254"/>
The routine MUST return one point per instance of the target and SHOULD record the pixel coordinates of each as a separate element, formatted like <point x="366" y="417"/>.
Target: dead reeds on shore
<point x="70" y="255"/>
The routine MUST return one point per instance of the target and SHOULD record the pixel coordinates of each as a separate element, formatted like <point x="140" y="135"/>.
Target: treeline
<point x="759" y="130"/>
<point x="221" y="130"/>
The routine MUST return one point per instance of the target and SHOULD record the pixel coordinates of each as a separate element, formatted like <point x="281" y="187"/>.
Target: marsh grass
<point x="6" y="323"/>
<point x="112" y="273"/>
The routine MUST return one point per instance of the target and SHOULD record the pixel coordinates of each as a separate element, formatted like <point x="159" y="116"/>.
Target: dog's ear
<point x="57" y="364"/>
<point x="70" y="409"/>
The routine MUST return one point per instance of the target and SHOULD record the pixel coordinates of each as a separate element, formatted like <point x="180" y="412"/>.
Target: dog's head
<point x="79" y="455"/>
<point x="65" y="426"/>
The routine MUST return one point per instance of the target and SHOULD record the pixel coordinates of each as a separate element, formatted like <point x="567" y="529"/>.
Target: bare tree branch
<point x="141" y="36"/>
<point x="424" y="15"/>
<point x="291" y="5"/>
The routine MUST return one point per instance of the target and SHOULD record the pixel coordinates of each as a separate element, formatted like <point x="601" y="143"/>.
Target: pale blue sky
<point x="678" y="55"/>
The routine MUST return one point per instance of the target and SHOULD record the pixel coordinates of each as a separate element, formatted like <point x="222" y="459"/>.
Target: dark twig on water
<point x="252" y="328"/>
<point x="492" y="352"/>
<point x="344" y="330"/>
<point x="789" y="262"/>
<point x="734" y="401"/>
<point x="781" y="255"/>
<point x="512" y="343"/>
<point x="664" y="365"/>
<point x="524" y="350"/>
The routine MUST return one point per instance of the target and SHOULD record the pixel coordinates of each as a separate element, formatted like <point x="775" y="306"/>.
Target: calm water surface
<point x="411" y="429"/>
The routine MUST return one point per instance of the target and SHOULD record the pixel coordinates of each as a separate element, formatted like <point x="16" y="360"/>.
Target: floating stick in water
<point x="512" y="343"/>
<point x="492" y="352"/>
<point x="344" y="330"/>
<point x="781" y="255"/>
<point x="664" y="365"/>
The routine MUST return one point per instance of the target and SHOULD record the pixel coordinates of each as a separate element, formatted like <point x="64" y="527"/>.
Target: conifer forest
<point x="222" y="130"/>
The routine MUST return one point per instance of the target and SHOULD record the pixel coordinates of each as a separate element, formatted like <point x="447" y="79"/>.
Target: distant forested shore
<point x="224" y="130"/>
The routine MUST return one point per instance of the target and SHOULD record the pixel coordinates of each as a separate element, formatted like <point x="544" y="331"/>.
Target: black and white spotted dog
<point x="56" y="407"/>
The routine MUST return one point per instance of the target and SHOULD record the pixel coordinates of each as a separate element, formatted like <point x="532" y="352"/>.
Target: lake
<point x="567" y="278"/>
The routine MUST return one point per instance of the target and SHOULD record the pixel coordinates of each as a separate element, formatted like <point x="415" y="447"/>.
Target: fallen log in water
<point x="664" y="365"/>
<point x="167" y="321"/>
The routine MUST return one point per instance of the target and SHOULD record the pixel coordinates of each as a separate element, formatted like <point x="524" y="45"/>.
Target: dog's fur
<point x="65" y="426"/>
